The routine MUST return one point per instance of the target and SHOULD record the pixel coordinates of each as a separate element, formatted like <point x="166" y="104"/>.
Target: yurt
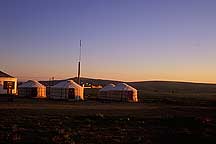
<point x="67" y="90"/>
<point x="32" y="88"/>
<point x="105" y="92"/>
<point x="8" y="84"/>
<point x="124" y="92"/>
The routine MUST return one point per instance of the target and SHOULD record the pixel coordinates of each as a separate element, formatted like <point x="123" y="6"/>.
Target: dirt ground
<point x="96" y="122"/>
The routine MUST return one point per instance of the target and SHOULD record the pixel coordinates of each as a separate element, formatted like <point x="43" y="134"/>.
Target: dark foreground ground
<point x="91" y="122"/>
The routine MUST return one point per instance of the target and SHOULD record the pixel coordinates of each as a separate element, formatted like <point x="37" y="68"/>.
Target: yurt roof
<point x="124" y="87"/>
<point x="31" y="83"/>
<point x="67" y="84"/>
<point x="3" y="74"/>
<point x="108" y="87"/>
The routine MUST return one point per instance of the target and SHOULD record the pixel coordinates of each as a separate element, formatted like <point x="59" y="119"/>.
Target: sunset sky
<point x="130" y="40"/>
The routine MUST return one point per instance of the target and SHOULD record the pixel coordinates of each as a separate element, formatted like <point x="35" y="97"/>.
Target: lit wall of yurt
<point x="67" y="90"/>
<point x="32" y="88"/>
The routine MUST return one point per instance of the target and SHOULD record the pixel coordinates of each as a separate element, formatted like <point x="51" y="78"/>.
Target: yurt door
<point x="71" y="93"/>
<point x="34" y="92"/>
<point x="9" y="91"/>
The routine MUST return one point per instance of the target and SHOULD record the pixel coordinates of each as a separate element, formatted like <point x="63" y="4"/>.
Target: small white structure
<point x="8" y="84"/>
<point x="120" y="92"/>
<point x="105" y="92"/>
<point x="67" y="90"/>
<point x="125" y="92"/>
<point x="32" y="88"/>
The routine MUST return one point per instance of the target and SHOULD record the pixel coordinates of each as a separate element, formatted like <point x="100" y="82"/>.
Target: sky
<point x="129" y="40"/>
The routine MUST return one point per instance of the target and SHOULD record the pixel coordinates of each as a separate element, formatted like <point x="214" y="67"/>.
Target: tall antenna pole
<point x="79" y="63"/>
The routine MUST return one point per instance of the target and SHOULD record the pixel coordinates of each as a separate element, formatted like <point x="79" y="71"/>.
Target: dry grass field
<point x="42" y="121"/>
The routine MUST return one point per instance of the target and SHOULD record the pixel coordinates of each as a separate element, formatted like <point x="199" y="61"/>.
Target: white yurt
<point x="67" y="90"/>
<point x="8" y="84"/>
<point x="32" y="88"/>
<point x="124" y="92"/>
<point x="105" y="92"/>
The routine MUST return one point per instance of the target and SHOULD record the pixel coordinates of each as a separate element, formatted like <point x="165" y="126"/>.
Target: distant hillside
<point x="155" y="86"/>
<point x="83" y="80"/>
<point x="175" y="87"/>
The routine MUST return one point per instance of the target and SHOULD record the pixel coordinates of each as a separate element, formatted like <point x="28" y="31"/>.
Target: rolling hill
<point x="153" y="86"/>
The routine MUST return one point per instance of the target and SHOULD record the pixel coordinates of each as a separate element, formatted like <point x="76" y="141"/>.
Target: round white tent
<point x="124" y="92"/>
<point x="105" y="92"/>
<point x="68" y="90"/>
<point x="32" y="88"/>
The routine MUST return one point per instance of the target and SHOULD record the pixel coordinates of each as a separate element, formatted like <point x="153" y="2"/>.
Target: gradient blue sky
<point x="122" y="39"/>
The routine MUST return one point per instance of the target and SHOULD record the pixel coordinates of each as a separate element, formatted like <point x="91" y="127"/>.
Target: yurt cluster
<point x="64" y="90"/>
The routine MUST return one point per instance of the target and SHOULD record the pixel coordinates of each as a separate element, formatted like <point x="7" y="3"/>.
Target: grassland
<point x="168" y="113"/>
<point x="42" y="121"/>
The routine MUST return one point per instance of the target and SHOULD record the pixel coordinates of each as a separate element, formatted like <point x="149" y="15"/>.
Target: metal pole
<point x="79" y="63"/>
